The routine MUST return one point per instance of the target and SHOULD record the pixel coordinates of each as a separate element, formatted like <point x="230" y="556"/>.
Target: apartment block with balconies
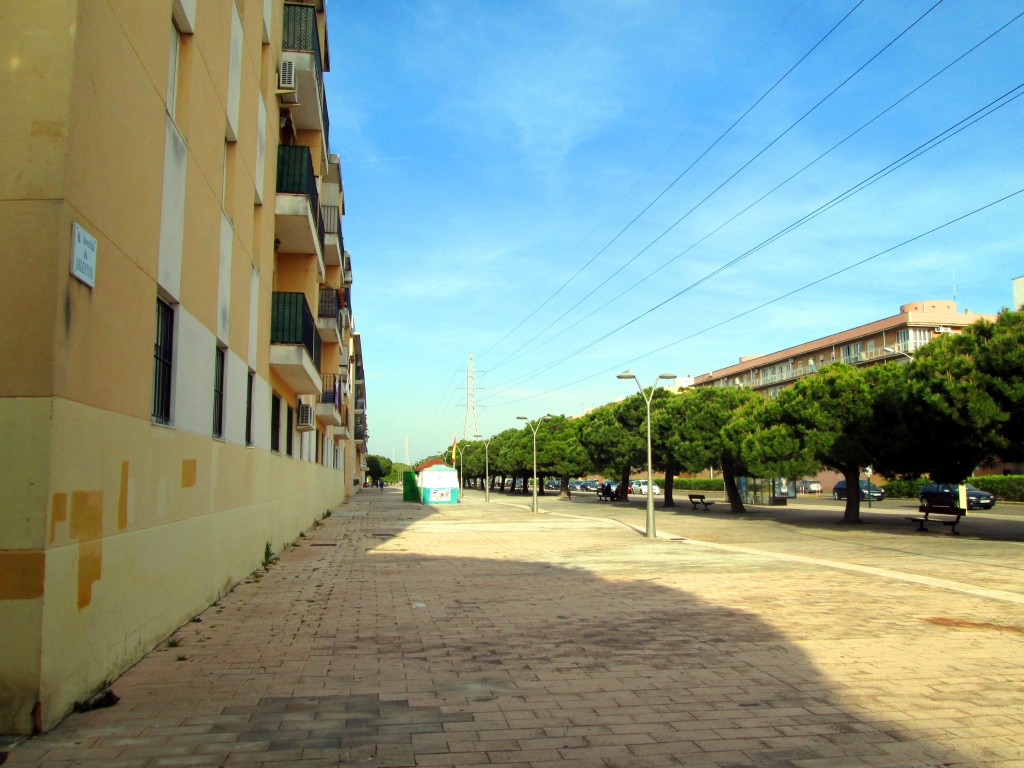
<point x="891" y="339"/>
<point x="186" y="394"/>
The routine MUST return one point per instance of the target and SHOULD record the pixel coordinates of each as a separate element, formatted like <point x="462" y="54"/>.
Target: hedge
<point x="1005" y="487"/>
<point x="698" y="484"/>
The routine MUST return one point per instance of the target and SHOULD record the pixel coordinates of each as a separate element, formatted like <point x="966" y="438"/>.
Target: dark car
<point x="947" y="495"/>
<point x="877" y="494"/>
<point x="589" y="485"/>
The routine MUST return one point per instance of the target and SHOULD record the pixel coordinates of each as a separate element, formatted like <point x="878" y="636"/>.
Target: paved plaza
<point x="396" y="634"/>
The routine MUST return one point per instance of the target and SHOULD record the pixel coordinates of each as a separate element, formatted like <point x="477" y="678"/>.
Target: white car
<point x="640" y="487"/>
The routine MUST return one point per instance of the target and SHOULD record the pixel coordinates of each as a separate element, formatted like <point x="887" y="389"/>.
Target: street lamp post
<point x="462" y="483"/>
<point x="487" y="468"/>
<point x="894" y="351"/>
<point x="627" y="374"/>
<point x="534" y="426"/>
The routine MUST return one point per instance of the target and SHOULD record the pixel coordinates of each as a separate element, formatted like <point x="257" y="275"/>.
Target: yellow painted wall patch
<point x="22" y="574"/>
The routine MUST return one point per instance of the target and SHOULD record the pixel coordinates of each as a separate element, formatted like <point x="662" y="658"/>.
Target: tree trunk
<point x="852" y="512"/>
<point x="732" y="493"/>
<point x="623" y="489"/>
<point x="670" y="477"/>
<point x="564" y="481"/>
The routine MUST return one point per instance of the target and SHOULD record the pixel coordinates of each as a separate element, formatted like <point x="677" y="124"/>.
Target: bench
<point x="698" y="498"/>
<point x="953" y="512"/>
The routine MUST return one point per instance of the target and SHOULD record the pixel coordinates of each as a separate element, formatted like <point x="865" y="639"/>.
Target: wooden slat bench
<point x="698" y="498"/>
<point x="929" y="513"/>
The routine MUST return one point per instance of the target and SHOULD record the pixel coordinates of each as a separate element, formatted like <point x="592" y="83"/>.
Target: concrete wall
<point x="114" y="530"/>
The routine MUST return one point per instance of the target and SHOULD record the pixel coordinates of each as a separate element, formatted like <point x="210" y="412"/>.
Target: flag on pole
<point x="455" y="447"/>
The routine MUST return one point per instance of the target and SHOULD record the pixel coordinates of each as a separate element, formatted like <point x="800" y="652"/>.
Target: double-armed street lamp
<point x="487" y="468"/>
<point x="894" y="351"/>
<point x="627" y="374"/>
<point x="534" y="425"/>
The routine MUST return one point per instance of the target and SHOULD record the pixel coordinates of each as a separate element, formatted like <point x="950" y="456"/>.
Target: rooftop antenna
<point x="954" y="285"/>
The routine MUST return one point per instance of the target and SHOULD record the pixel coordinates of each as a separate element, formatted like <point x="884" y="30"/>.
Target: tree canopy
<point x="957" y="403"/>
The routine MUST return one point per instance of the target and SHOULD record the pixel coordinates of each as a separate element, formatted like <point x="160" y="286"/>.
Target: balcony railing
<point x="764" y="378"/>
<point x="332" y="220"/>
<point x="361" y="404"/>
<point x="295" y="175"/>
<point x="330" y="306"/>
<point x="301" y="34"/>
<point x="291" y="322"/>
<point x="332" y="389"/>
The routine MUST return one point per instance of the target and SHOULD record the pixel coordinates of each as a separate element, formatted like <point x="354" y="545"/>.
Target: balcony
<point x="360" y="405"/>
<point x="346" y="271"/>
<point x="298" y="227"/>
<point x="295" y="344"/>
<point x="334" y="244"/>
<point x="329" y="320"/>
<point x="300" y="52"/>
<point x="328" y="409"/>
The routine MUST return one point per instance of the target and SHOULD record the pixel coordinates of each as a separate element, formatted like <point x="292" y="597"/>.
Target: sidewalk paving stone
<point x="396" y="634"/>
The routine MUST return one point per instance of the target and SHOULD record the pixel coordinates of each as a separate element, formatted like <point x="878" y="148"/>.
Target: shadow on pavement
<point x="353" y="648"/>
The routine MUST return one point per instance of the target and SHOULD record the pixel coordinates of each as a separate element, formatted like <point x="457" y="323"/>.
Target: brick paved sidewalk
<point x="400" y="635"/>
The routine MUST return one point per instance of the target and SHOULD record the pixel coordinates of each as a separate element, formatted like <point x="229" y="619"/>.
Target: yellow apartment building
<point x="890" y="339"/>
<point x="182" y="386"/>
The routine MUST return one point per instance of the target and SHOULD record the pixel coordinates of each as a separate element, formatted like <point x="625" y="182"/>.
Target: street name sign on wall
<point x="83" y="255"/>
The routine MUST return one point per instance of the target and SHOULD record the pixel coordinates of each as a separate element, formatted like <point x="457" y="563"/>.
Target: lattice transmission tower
<point x="470" y="401"/>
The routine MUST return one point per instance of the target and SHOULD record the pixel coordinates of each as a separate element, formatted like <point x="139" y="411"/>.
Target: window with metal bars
<point x="163" y="348"/>
<point x="218" y="393"/>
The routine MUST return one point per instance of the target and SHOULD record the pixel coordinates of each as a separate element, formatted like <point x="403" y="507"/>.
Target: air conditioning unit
<point x="307" y="420"/>
<point x="287" y="90"/>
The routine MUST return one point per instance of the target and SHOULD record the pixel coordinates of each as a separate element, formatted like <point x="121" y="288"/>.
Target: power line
<point x="774" y="189"/>
<point x="775" y="300"/>
<point x="966" y="122"/>
<point x="672" y="184"/>
<point x="733" y="175"/>
<point x="643" y="176"/>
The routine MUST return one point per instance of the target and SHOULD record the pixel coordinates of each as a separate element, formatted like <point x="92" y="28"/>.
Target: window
<point x="288" y="430"/>
<point x="162" y="362"/>
<point x="248" y="409"/>
<point x="318" y="457"/>
<point x="218" y="392"/>
<point x="172" y="70"/>
<point x="275" y="423"/>
<point x="852" y="352"/>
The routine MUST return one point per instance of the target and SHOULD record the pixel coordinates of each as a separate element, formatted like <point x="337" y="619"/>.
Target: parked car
<point x="553" y="485"/>
<point x="877" y="494"/>
<point x="947" y="495"/>
<point x="640" y="487"/>
<point x="575" y="485"/>
<point x="808" y="486"/>
<point x="589" y="485"/>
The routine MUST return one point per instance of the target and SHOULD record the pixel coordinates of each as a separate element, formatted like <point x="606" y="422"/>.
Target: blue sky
<point x="567" y="189"/>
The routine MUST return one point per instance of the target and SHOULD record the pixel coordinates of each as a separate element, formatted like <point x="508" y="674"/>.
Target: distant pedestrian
<point x="380" y="484"/>
<point x="568" y="493"/>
